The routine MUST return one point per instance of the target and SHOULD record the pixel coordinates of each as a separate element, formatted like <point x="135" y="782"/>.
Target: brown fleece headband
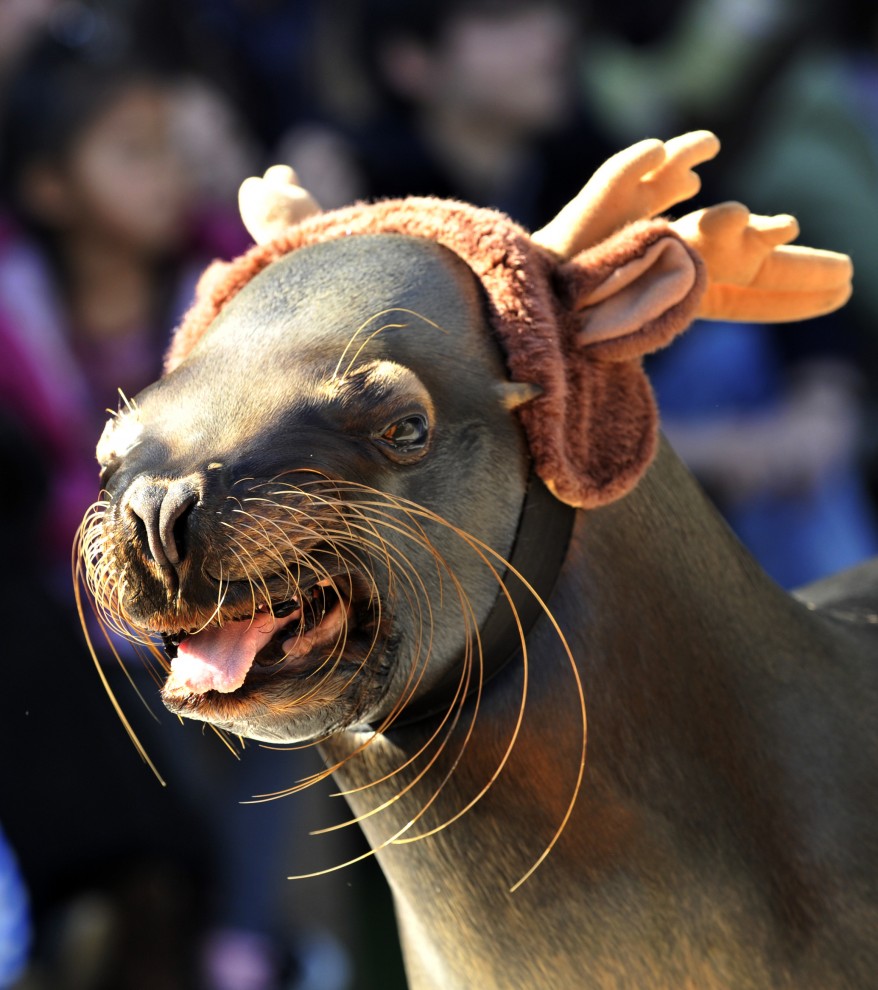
<point x="577" y="328"/>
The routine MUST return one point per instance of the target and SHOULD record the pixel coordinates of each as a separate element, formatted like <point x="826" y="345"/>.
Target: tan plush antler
<point x="272" y="204"/>
<point x="753" y="273"/>
<point x="636" y="184"/>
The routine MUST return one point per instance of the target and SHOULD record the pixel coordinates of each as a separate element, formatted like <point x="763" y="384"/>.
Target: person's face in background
<point x="509" y="65"/>
<point x="121" y="181"/>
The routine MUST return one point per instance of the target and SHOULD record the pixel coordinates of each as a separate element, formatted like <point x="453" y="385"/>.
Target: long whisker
<point x="453" y="709"/>
<point x="387" y="326"/>
<point x="79" y="582"/>
<point x="488" y="552"/>
<point x="414" y="583"/>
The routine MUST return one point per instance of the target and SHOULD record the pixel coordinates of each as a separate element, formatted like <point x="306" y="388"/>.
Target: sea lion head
<point x="286" y="507"/>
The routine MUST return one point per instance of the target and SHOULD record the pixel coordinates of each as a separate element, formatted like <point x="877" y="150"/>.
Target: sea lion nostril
<point x="162" y="511"/>
<point x="175" y="513"/>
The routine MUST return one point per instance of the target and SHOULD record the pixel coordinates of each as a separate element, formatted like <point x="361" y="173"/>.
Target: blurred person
<point x="674" y="65"/>
<point x="769" y="420"/>
<point x="112" y="214"/>
<point x="95" y="266"/>
<point x="780" y="422"/>
<point x="98" y="203"/>
<point x="91" y="268"/>
<point x="476" y="101"/>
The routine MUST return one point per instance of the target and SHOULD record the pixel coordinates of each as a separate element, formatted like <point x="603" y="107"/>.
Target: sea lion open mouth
<point x="292" y="653"/>
<point x="283" y="636"/>
<point x="289" y="651"/>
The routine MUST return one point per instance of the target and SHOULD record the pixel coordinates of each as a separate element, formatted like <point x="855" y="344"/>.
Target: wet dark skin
<point x="724" y="835"/>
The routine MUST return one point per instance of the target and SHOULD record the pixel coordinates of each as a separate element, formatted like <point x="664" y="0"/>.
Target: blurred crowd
<point x="125" y="129"/>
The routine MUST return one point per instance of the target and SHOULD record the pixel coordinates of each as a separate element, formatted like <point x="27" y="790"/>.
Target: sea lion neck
<point x="674" y="606"/>
<point x="684" y="647"/>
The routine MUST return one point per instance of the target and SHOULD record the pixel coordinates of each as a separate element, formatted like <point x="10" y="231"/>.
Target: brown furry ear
<point x="631" y="311"/>
<point x="619" y="300"/>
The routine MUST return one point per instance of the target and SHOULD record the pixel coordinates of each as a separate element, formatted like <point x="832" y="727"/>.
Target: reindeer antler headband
<point x="577" y="304"/>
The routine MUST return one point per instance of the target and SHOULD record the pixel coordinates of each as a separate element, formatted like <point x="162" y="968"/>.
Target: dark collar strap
<point x="538" y="551"/>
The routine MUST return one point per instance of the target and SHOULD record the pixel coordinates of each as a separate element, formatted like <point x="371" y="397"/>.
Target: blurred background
<point x="125" y="129"/>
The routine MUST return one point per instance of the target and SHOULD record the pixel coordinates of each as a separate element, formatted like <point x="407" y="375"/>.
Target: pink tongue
<point x="218" y="659"/>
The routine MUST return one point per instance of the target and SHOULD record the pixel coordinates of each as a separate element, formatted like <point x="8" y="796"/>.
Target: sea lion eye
<point x="407" y="435"/>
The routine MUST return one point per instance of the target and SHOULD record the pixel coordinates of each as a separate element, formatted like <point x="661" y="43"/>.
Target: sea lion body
<point x="724" y="833"/>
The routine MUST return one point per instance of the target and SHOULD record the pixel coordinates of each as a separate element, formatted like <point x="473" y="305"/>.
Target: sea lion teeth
<point x="170" y="642"/>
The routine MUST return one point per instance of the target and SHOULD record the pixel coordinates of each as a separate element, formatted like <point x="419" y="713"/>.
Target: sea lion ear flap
<point x="621" y="299"/>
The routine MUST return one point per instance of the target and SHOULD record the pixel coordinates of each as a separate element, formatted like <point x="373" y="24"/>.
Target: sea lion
<point x="319" y="510"/>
